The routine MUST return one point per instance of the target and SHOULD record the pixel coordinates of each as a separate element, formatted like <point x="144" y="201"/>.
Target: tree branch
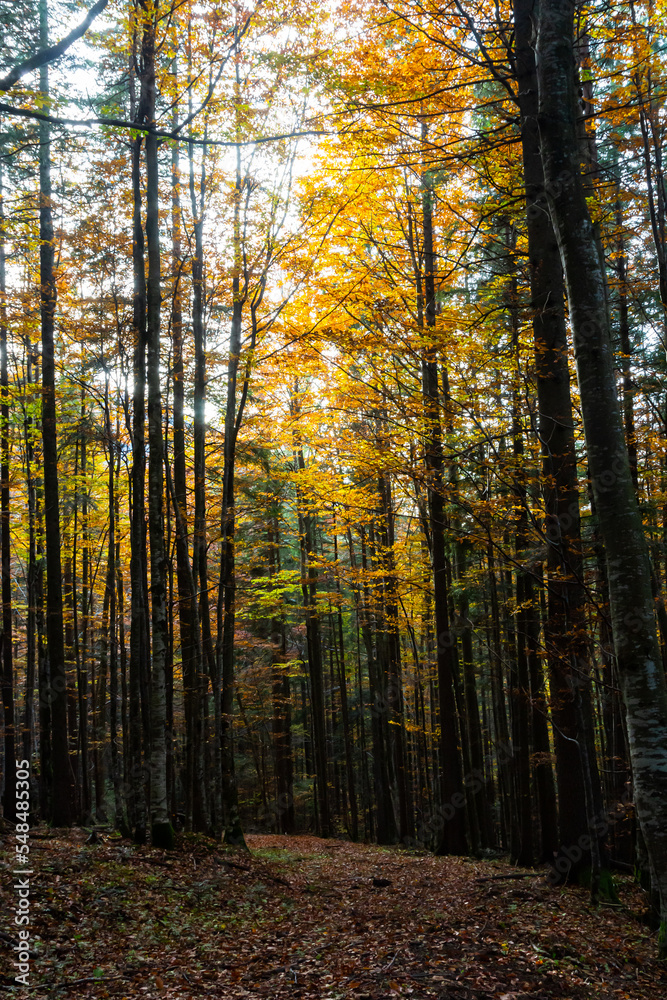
<point x="7" y="109"/>
<point x="53" y="52"/>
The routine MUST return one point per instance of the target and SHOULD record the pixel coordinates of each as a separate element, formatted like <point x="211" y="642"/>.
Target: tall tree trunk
<point x="628" y="570"/>
<point x="347" y="732"/>
<point x="139" y="638"/>
<point x="162" y="833"/>
<point x="452" y="835"/>
<point x="282" y="708"/>
<point x="9" y="798"/>
<point x="195" y="818"/>
<point x="35" y="657"/>
<point x="82" y="646"/>
<point x="499" y="711"/>
<point x="227" y="588"/>
<point x="63" y="790"/>
<point x="393" y="683"/>
<point x="565" y="626"/>
<point x="119" y="800"/>
<point x="199" y="542"/>
<point x="521" y="852"/>
<point x="313" y="639"/>
<point x="31" y="645"/>
<point x="385" y="825"/>
<point x="475" y="791"/>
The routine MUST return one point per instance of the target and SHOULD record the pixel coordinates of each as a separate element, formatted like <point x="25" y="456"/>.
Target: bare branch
<point x="53" y="52"/>
<point x="7" y="109"/>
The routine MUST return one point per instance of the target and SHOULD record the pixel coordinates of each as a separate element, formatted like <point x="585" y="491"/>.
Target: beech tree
<point x="628" y="570"/>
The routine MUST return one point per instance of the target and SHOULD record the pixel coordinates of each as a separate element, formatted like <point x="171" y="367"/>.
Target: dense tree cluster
<point x="333" y="435"/>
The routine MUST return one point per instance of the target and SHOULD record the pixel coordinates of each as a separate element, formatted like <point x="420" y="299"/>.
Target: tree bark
<point x="9" y="798"/>
<point x="282" y="705"/>
<point x="565" y="627"/>
<point x="452" y="835"/>
<point x="63" y="791"/>
<point x="313" y="640"/>
<point x="227" y="587"/>
<point x="162" y="833"/>
<point x="628" y="570"/>
<point x="139" y="638"/>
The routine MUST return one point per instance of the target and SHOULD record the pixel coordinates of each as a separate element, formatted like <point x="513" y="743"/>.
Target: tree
<point x="628" y="570"/>
<point x="62" y="778"/>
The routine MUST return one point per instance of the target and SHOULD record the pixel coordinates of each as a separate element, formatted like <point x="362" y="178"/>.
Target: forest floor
<point x="301" y="917"/>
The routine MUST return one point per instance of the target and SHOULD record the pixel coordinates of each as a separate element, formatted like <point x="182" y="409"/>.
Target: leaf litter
<point x="305" y="918"/>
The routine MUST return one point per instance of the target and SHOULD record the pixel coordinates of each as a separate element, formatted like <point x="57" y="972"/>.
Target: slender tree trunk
<point x="347" y="733"/>
<point x="9" y="798"/>
<point x="476" y="791"/>
<point x="227" y="589"/>
<point x="543" y="772"/>
<point x="365" y="783"/>
<point x="499" y="713"/>
<point x="385" y="823"/>
<point x="195" y="818"/>
<point x="63" y="791"/>
<point x="314" y="642"/>
<point x="282" y="706"/>
<point x="522" y="851"/>
<point x="82" y="646"/>
<point x="199" y="543"/>
<point x="161" y="830"/>
<point x="119" y="800"/>
<point x="31" y="645"/>
<point x="139" y="645"/>
<point x="35" y="643"/>
<point x="452" y="836"/>
<point x="393" y="693"/>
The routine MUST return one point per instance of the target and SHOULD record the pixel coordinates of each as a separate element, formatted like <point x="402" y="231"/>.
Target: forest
<point x="333" y="447"/>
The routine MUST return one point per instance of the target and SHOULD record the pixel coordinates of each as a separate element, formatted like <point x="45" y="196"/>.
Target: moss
<point x="606" y="889"/>
<point x="124" y="828"/>
<point x="162" y="835"/>
<point x="139" y="835"/>
<point x="662" y="940"/>
<point x="234" y="832"/>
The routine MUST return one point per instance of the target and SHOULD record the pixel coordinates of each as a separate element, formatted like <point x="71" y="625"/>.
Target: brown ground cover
<point x="302" y="918"/>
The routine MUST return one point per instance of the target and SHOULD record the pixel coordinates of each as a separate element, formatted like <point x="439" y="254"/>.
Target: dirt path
<point x="304" y="918"/>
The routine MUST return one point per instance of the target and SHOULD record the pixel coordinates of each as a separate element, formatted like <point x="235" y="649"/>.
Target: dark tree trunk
<point x="521" y="852"/>
<point x="9" y="798"/>
<point x="344" y="708"/>
<point x="195" y="812"/>
<point x="386" y="832"/>
<point x="282" y="707"/>
<point x="161" y="829"/>
<point x="452" y="835"/>
<point x="314" y="643"/>
<point x="82" y="647"/>
<point x="31" y="645"/>
<point x="628" y="571"/>
<point x="502" y="747"/>
<point x="199" y="544"/>
<point x="392" y="679"/>
<point x="35" y="658"/>
<point x="119" y="799"/>
<point x="565" y="626"/>
<point x="139" y="639"/>
<point x="226" y="611"/>
<point x="62" y="785"/>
